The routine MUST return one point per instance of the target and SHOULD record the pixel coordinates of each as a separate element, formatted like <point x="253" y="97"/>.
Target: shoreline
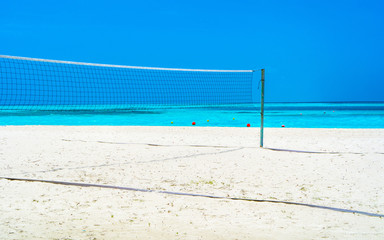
<point x="173" y="126"/>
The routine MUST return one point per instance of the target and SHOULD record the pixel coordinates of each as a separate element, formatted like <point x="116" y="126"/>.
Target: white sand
<point x="352" y="177"/>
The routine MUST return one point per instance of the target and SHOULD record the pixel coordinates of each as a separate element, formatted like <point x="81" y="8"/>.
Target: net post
<point x="262" y="109"/>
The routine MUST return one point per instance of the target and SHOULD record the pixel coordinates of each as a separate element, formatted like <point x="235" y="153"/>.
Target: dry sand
<point x="348" y="174"/>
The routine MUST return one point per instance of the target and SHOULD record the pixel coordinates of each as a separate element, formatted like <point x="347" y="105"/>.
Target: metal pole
<point x="262" y="109"/>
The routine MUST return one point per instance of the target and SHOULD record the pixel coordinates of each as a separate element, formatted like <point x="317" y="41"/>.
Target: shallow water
<point x="292" y="115"/>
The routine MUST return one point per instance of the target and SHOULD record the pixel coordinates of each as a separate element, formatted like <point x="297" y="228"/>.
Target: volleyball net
<point x="41" y="84"/>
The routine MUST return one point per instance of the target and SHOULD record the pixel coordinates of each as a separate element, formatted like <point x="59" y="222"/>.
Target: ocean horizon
<point x="277" y="114"/>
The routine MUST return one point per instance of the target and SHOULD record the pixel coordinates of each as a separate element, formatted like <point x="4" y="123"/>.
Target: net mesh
<point x="27" y="84"/>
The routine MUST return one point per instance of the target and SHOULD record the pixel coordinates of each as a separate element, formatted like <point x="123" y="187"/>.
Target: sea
<point x="289" y="115"/>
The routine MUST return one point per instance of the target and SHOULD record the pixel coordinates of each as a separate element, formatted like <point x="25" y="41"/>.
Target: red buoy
<point x="282" y="125"/>
<point x="248" y="125"/>
<point x="193" y="123"/>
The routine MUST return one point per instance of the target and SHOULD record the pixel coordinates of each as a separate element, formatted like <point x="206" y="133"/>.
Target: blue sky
<point x="312" y="50"/>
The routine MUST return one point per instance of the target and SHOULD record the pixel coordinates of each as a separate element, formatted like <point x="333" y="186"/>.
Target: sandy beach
<point x="340" y="168"/>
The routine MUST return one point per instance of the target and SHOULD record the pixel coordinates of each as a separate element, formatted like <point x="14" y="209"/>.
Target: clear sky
<point x="313" y="51"/>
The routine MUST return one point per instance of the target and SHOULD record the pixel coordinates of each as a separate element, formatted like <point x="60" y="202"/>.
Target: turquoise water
<point x="292" y="115"/>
